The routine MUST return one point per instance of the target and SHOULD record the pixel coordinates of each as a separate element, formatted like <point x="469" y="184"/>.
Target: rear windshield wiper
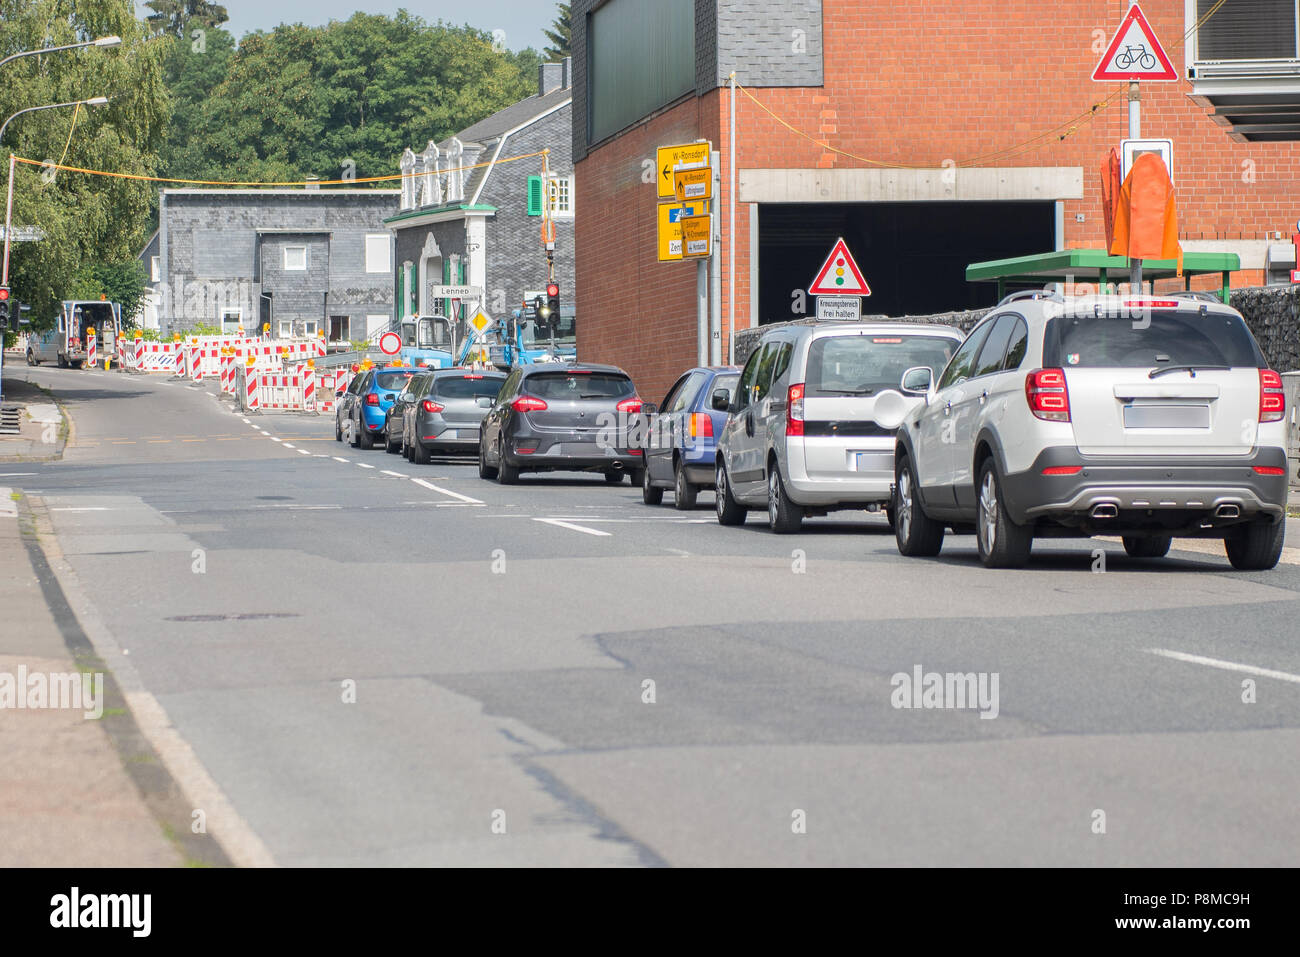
<point x="594" y="395"/>
<point x="1192" y="369"/>
<point x="845" y="391"/>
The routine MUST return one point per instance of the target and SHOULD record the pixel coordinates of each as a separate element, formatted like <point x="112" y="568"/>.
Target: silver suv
<point x="812" y="421"/>
<point x="1144" y="417"/>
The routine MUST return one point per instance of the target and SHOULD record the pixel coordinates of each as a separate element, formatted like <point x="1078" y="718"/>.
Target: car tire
<point x="355" y="438"/>
<point x="783" y="516"/>
<point x="684" y="492"/>
<point x="419" y="454"/>
<point x="391" y="447"/>
<point x="506" y="474"/>
<point x="485" y="471"/>
<point x="917" y="534"/>
<point x="891" y="518"/>
<point x="1002" y="543"/>
<point x="31" y="358"/>
<point x="1139" y="546"/>
<point x="1256" y="548"/>
<point x="338" y="430"/>
<point x="729" y="511"/>
<point x="365" y="440"/>
<point x="613" y="477"/>
<point x="650" y="494"/>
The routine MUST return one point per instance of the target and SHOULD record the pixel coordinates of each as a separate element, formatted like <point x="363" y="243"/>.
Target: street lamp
<point x="101" y="42"/>
<point x="9" y="205"/>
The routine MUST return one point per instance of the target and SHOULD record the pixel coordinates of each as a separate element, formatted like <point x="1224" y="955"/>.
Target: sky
<point x="522" y="20"/>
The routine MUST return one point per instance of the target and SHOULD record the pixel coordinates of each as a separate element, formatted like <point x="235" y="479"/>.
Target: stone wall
<point x="1273" y="315"/>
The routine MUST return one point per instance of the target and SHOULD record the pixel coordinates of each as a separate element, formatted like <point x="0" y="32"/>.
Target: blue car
<point x="366" y="403"/>
<point x="679" y="446"/>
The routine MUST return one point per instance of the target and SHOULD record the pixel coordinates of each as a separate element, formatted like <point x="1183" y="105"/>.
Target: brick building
<point x="471" y="215"/>
<point x="965" y="132"/>
<point x="299" y="260"/>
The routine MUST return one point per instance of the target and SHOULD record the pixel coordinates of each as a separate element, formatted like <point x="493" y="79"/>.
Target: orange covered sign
<point x="1146" y="216"/>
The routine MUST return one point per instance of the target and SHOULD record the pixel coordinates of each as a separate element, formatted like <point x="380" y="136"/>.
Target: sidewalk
<point x="43" y="434"/>
<point x="65" y="798"/>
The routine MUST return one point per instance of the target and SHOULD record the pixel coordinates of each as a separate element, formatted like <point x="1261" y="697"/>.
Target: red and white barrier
<point x="92" y="353"/>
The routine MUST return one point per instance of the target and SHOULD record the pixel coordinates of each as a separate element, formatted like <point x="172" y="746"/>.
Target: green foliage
<point x="559" y="35"/>
<point x="85" y="218"/>
<point x="122" y="283"/>
<point x="178" y="17"/>
<point x="339" y="101"/>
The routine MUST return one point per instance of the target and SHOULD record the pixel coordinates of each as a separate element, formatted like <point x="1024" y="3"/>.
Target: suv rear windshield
<point x="864" y="364"/>
<point x="392" y="381"/>
<point x="467" y="387"/>
<point x="578" y="385"/>
<point x="1174" y="337"/>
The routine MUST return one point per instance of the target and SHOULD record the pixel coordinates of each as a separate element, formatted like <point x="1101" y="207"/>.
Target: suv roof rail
<point x="1198" y="296"/>
<point x="1051" y="294"/>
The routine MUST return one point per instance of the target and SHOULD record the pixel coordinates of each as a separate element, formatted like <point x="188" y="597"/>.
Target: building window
<point x="561" y="197"/>
<point x="340" y="329"/>
<point x="155" y="269"/>
<point x="377" y="252"/>
<point x="295" y="258"/>
<point x="286" y="329"/>
<point x="231" y="320"/>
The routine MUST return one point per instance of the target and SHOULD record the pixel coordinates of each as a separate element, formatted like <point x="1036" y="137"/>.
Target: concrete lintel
<point x="910" y="185"/>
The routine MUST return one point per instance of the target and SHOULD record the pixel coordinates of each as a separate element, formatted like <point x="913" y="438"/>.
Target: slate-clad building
<point x="482" y="226"/>
<point x="298" y="260"/>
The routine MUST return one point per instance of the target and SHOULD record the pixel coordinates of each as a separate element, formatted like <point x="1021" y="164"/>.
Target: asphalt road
<point x="242" y="576"/>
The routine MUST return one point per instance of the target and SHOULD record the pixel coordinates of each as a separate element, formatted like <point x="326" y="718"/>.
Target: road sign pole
<point x="715" y="268"/>
<point x="731" y="232"/>
<point x="702" y="297"/>
<point x="9" y="220"/>
<point x="1135" y="133"/>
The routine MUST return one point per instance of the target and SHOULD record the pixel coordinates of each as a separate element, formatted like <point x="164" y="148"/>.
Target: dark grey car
<point x="555" y="417"/>
<point x="444" y="414"/>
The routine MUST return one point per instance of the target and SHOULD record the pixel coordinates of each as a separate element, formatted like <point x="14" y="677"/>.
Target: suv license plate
<point x="1166" y="416"/>
<point x="873" y="461"/>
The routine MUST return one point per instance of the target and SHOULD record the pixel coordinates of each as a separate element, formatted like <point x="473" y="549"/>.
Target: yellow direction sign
<point x="696" y="233"/>
<point x="693" y="183"/>
<point x="668" y="158"/>
<point x="671" y="218"/>
<point x="480" y="321"/>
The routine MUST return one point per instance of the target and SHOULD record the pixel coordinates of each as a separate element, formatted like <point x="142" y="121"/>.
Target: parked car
<point x="551" y="417"/>
<point x="394" y="417"/>
<point x="680" y="448"/>
<point x="445" y="412"/>
<point x="811" y="427"/>
<point x="366" y="402"/>
<point x="1148" y="418"/>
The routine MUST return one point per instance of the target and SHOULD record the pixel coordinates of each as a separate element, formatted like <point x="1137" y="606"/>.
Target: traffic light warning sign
<point x="839" y="275"/>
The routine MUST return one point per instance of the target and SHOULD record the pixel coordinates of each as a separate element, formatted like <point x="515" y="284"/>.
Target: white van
<point x="65" y="344"/>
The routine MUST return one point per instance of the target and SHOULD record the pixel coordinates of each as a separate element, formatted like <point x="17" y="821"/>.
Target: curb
<point x="64" y="441"/>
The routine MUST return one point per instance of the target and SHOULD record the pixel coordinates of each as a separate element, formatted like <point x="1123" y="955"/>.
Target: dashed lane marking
<point x="1225" y="665"/>
<point x="448" y="492"/>
<point x="572" y="527"/>
<point x="393" y="474"/>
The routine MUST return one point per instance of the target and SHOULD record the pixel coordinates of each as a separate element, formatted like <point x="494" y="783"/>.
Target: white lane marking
<point x="572" y="527"/>
<point x="274" y="439"/>
<point x="301" y="451"/>
<point x="246" y="421"/>
<point x="286" y="444"/>
<point x="364" y="465"/>
<point x="305" y="508"/>
<point x="442" y="491"/>
<point x="337" y="459"/>
<point x="1225" y="665"/>
<point x="393" y="474"/>
<point x="15" y="474"/>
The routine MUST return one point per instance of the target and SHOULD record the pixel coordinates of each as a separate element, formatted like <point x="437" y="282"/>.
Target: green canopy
<point x="1096" y="265"/>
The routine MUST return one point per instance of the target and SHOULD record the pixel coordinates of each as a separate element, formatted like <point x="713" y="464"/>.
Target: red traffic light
<point x="553" y="291"/>
<point x="4" y="293"/>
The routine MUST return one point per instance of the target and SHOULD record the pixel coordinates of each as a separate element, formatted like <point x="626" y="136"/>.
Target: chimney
<point x="567" y="81"/>
<point x="550" y="77"/>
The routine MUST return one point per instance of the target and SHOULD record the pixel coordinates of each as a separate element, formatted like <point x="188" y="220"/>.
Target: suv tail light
<point x="794" y="409"/>
<point x="430" y="406"/>
<point x="701" y="425"/>
<point x="629" y="405"/>
<point x="1047" y="394"/>
<point x="372" y="398"/>
<point x="1272" y="400"/>
<point x="526" y="403"/>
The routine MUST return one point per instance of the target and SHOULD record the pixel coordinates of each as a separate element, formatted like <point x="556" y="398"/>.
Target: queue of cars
<point x="1145" y="418"/>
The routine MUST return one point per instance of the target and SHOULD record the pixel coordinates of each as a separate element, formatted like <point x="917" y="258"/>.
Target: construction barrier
<point x="92" y="354"/>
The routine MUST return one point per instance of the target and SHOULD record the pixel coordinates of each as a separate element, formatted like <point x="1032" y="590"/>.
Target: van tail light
<point x="430" y="406"/>
<point x="527" y="403"/>
<point x="1047" y="394"/>
<point x="372" y="399"/>
<point x="1272" y="400"/>
<point x="794" y="410"/>
<point x="629" y="405"/>
<point x="701" y="425"/>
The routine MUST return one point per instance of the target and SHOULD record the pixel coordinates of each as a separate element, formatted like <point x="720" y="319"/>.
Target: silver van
<point x="811" y="426"/>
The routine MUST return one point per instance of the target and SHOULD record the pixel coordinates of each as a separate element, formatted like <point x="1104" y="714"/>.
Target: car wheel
<point x="730" y="512"/>
<point x="917" y="534"/>
<point x="485" y="471"/>
<point x="891" y="518"/>
<point x="355" y="438"/>
<point x="684" y="492"/>
<point x="1002" y="543"/>
<point x="783" y="516"/>
<point x="1257" y="547"/>
<point x="1139" y="546"/>
<point x="419" y="454"/>
<point x="338" y="430"/>
<point x="61" y="361"/>
<point x="506" y="474"/>
<point x="650" y="494"/>
<point x="31" y="358"/>
<point x="391" y="447"/>
<point x="364" y="438"/>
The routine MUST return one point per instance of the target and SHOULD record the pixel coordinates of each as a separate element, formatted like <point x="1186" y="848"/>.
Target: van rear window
<point x="866" y="364"/>
<point x="467" y="387"/>
<point x="1172" y="337"/>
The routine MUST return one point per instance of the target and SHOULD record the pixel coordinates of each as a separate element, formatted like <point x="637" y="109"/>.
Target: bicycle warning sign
<point x="1134" y="53"/>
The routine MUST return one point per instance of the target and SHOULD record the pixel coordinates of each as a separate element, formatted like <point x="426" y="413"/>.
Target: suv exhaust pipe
<point x="1228" y="511"/>
<point x="1107" y="510"/>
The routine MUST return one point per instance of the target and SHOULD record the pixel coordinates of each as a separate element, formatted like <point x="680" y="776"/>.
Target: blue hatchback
<point x="679" y="450"/>
<point x="367" y="401"/>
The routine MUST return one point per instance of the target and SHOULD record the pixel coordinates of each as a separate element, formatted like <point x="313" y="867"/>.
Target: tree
<point x="86" y="219"/>
<point x="175" y="17"/>
<point x="123" y="283"/>
<point x="192" y="70"/>
<point x="559" y="35"/>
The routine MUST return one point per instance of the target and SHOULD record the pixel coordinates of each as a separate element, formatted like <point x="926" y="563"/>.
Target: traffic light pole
<point x="9" y="220"/>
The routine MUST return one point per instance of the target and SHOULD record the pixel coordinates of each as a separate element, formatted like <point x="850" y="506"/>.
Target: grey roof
<point x="488" y="131"/>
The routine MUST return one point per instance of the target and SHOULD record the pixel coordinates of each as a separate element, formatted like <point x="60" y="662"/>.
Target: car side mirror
<point x="721" y="400"/>
<point x="917" y="380"/>
<point x="406" y="397"/>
